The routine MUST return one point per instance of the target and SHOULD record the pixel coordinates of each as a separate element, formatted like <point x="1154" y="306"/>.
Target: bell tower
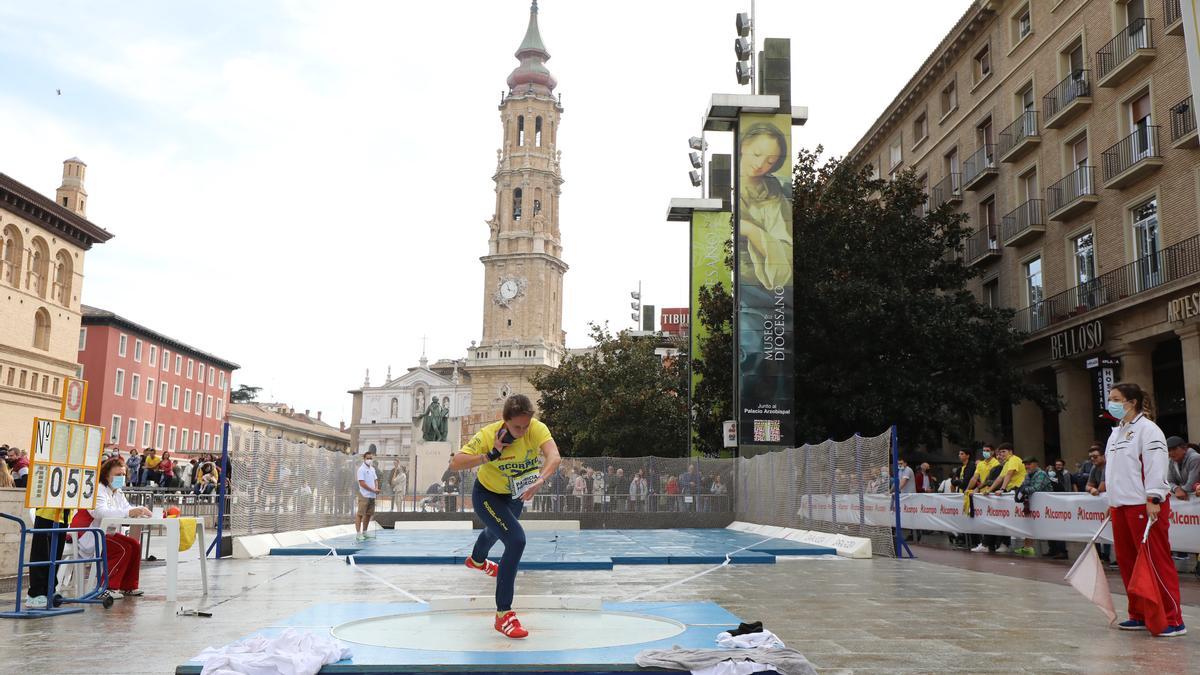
<point x="523" y="270"/>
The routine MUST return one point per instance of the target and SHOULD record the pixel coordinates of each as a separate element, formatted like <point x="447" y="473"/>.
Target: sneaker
<point x="359" y="537"/>
<point x="1026" y="552"/>
<point x="979" y="549"/>
<point x="115" y="594"/>
<point x="488" y="567"/>
<point x="508" y="624"/>
<point x="1174" y="631"/>
<point x="1003" y="549"/>
<point x="134" y="593"/>
<point x="36" y="602"/>
<point x="1132" y="624"/>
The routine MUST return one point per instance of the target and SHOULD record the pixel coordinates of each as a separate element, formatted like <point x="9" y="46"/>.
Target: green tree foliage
<point x="712" y="402"/>
<point x="618" y="400"/>
<point x="244" y="394"/>
<point x="885" y="330"/>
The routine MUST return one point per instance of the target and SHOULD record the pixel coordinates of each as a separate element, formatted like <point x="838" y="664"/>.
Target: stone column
<point x="1135" y="364"/>
<point x="1075" y="419"/>
<point x="1029" y="434"/>
<point x="1189" y="339"/>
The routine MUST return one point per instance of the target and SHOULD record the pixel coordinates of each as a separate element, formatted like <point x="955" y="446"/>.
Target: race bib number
<point x="520" y="484"/>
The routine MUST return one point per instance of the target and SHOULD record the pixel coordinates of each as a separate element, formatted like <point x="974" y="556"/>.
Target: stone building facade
<point x="279" y="420"/>
<point x="1066" y="130"/>
<point x="43" y="242"/>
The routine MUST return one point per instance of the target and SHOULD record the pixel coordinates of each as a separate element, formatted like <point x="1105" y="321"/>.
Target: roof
<point x="30" y="204"/>
<point x="294" y="421"/>
<point x="533" y="56"/>
<point x="94" y="316"/>
<point x="955" y="41"/>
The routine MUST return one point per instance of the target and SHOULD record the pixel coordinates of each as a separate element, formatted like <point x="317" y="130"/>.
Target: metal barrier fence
<point x="189" y="503"/>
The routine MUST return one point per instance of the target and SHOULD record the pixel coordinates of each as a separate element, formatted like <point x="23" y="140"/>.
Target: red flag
<point x="1144" y="597"/>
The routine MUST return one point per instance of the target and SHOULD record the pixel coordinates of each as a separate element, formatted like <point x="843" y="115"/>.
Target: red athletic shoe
<point x="510" y="626"/>
<point x="488" y="567"/>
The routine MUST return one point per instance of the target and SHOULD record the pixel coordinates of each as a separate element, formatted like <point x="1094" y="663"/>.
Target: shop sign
<point x="1077" y="340"/>
<point x="1184" y="308"/>
<point x="1102" y="369"/>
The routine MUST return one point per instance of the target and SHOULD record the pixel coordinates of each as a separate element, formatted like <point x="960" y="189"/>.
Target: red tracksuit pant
<point x="124" y="562"/>
<point x="1128" y="526"/>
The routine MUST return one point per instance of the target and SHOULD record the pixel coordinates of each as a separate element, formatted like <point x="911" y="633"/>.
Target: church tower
<point x="523" y="270"/>
<point x="71" y="194"/>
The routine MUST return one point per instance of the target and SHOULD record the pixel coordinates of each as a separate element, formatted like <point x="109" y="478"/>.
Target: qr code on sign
<point x="766" y="431"/>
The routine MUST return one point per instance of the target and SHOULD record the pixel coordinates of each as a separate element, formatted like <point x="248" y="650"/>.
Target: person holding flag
<point x="1140" y="508"/>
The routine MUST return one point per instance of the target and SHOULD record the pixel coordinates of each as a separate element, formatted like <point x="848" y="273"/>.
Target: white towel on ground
<point x="765" y="639"/>
<point x="292" y="652"/>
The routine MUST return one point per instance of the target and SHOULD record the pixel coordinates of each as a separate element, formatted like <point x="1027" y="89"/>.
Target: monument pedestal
<point x="430" y="459"/>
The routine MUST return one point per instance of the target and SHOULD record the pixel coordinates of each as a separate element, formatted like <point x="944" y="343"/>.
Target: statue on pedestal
<point x="433" y="421"/>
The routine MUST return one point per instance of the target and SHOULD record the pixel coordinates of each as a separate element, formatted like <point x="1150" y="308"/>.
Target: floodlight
<point x="743" y="48"/>
<point x="743" y="24"/>
<point x="635" y="295"/>
<point x="743" y="72"/>
<point x="695" y="177"/>
<point x="633" y="315"/>
<point x="697" y="143"/>
<point x="694" y="158"/>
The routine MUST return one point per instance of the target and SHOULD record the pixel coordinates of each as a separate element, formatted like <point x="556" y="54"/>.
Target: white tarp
<point x="1052" y="515"/>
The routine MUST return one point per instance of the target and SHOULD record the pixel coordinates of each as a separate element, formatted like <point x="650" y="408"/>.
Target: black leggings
<point x="501" y="522"/>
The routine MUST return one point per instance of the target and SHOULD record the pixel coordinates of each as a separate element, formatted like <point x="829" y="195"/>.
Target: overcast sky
<point x="302" y="187"/>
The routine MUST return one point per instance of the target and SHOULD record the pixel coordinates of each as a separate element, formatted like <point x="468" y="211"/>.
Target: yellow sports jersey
<point x="520" y="457"/>
<point x="1017" y="466"/>
<point x="982" y="468"/>
<point x="152" y="462"/>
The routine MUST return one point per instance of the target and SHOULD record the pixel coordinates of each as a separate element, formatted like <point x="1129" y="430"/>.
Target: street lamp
<point x="743" y="47"/>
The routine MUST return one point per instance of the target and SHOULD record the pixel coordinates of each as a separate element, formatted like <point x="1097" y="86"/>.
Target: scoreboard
<point x="64" y="467"/>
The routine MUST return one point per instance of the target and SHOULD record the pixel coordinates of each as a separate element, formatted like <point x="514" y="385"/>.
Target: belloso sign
<point x="1082" y="338"/>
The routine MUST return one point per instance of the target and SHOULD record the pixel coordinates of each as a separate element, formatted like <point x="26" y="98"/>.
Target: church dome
<point x="532" y="73"/>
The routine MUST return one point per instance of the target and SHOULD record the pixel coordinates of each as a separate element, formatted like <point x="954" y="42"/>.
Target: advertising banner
<point x="765" y="280"/>
<point x="673" y="320"/>
<point x="710" y="231"/>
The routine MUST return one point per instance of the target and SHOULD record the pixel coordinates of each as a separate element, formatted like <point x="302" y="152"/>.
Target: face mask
<point x="987" y="455"/>
<point x="1115" y="409"/>
<point x="118" y="482"/>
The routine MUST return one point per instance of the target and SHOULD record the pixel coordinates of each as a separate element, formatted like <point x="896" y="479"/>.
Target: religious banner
<point x="764" y="280"/>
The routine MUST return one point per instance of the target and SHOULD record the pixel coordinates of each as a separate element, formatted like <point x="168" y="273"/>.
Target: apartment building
<point x="1066" y="130"/>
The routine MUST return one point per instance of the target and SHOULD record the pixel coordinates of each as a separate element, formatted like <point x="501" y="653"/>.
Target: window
<point x="166" y="360"/>
<point x="158" y="435"/>
<point x="153" y="355"/>
<point x="171" y="439"/>
<point x="1079" y="151"/>
<point x="1085" y="258"/>
<point x="131" y="434"/>
<point x="149" y="390"/>
<point x="122" y="345"/>
<point x="1146" y="243"/>
<point x="135" y="389"/>
<point x="200" y="373"/>
<point x="1022" y="24"/>
<point x="114" y="431"/>
<point x="119" y="389"/>
<point x="983" y="63"/>
<point x="41" y="329"/>
<point x="137" y="351"/>
<point x="162" y="394"/>
<point x="187" y="401"/>
<point x="82" y="339"/>
<point x="195" y="440"/>
<point x="206" y="443"/>
<point x="949" y="98"/>
<point x="920" y="129"/>
<point x="1074" y="59"/>
<point x="178" y="364"/>
<point x="183" y="439"/>
<point x="951" y="164"/>
<point x="199" y="402"/>
<point x="1140" y="122"/>
<point x="516" y="204"/>
<point x="895" y="155"/>
<point x="222" y="380"/>
<point x="145" y="434"/>
<point x="987" y="216"/>
<point x="1027" y="185"/>
<point x="537" y="132"/>
<point x="208" y="402"/>
<point x="175" y="397"/>
<point x="991" y="293"/>
<point x="1033" y="281"/>
<point x="212" y="372"/>
<point x="520" y="130"/>
<point x="191" y="368"/>
<point x="220" y="408"/>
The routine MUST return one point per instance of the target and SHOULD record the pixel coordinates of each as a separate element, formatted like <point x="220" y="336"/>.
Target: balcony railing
<point x="1071" y="192"/>
<point x="1070" y="94"/>
<point x="1144" y="274"/>
<point x="1119" y="54"/>
<point x="1183" y="122"/>
<point x="1024" y="221"/>
<point x="979" y="165"/>
<point x="1016" y="135"/>
<point x="1173" y="17"/>
<point x="1137" y="149"/>
<point x="982" y="245"/>
<point x="948" y="189"/>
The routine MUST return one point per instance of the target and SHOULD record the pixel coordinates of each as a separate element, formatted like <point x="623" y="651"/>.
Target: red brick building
<point x="149" y="390"/>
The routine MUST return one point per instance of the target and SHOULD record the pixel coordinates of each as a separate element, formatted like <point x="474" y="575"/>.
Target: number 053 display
<point x="65" y="465"/>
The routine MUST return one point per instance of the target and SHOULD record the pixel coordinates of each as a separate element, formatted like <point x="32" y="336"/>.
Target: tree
<point x="712" y="402"/>
<point x="885" y="330"/>
<point x="244" y="394"/>
<point x="618" y="400"/>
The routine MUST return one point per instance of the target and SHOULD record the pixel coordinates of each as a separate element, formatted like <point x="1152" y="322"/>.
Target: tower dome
<point x="532" y="73"/>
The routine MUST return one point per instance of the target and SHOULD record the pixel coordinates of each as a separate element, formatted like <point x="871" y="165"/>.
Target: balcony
<point x="1020" y="137"/>
<point x="1125" y="53"/>
<point x="1144" y="274"/>
<point x="1132" y="158"/>
<point x="1183" y="125"/>
<point x="947" y="191"/>
<point x="1072" y="195"/>
<point x="983" y="246"/>
<point x="1026" y="223"/>
<point x="1069" y="98"/>
<point x="979" y="167"/>
<point x="1172" y="17"/>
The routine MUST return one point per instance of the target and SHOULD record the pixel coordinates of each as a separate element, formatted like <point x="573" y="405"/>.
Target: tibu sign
<point x="1080" y="339"/>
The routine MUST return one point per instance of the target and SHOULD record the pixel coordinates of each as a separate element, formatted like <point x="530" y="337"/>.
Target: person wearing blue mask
<point x="124" y="552"/>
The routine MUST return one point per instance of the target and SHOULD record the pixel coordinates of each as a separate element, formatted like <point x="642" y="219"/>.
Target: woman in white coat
<point x="124" y="552"/>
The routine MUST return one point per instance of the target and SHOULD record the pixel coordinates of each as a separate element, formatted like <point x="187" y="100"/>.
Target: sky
<point x="302" y="187"/>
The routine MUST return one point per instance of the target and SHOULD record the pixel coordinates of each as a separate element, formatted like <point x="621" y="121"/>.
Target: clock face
<point x="509" y="289"/>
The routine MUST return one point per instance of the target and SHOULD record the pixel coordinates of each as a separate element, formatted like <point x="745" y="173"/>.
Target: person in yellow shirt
<point x="510" y="474"/>
<point x="150" y="467"/>
<point x="979" y="482"/>
<point x="1012" y="471"/>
